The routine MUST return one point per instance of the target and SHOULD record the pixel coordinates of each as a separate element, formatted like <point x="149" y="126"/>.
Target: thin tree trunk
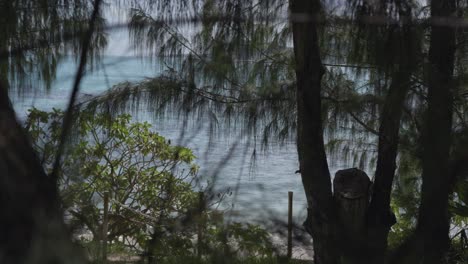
<point x="380" y="216"/>
<point x="310" y="143"/>
<point x="430" y="242"/>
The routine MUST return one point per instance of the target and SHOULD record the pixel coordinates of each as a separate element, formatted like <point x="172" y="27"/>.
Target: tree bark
<point x="380" y="215"/>
<point x="433" y="222"/>
<point x="430" y="242"/>
<point x="322" y="217"/>
<point x="310" y="144"/>
<point x="31" y="226"/>
<point x="351" y="195"/>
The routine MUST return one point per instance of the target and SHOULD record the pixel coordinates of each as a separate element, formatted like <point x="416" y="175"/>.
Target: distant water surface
<point x="258" y="193"/>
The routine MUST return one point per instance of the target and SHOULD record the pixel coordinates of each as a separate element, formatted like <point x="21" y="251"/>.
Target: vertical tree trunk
<point x="380" y="217"/>
<point x="430" y="242"/>
<point x="433" y="221"/>
<point x="310" y="143"/>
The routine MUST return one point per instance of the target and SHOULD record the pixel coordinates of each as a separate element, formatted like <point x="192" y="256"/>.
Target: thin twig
<point x="68" y="118"/>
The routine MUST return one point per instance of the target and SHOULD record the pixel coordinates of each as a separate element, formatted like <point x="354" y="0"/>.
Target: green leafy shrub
<point x="149" y="181"/>
<point x="150" y="185"/>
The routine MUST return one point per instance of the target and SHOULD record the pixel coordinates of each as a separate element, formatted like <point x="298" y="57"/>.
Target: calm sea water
<point x="257" y="193"/>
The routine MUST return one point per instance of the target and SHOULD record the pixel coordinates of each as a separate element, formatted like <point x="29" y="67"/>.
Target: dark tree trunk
<point x="338" y="225"/>
<point x="31" y="226"/>
<point x="361" y="241"/>
<point x="433" y="221"/>
<point x="380" y="217"/>
<point x="311" y="150"/>
<point x="430" y="242"/>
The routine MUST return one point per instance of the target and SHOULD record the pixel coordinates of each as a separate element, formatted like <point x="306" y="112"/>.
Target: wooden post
<point x="105" y="222"/>
<point x="201" y="208"/>
<point x="351" y="197"/>
<point x="290" y="214"/>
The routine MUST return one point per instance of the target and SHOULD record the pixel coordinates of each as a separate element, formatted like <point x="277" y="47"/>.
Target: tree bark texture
<point x="430" y="242"/>
<point x="380" y="215"/>
<point x="310" y="144"/>
<point x="433" y="222"/>
<point x="325" y="217"/>
<point x="31" y="225"/>
<point x="351" y="194"/>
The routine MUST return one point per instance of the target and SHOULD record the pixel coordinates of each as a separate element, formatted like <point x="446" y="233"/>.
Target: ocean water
<point x="258" y="192"/>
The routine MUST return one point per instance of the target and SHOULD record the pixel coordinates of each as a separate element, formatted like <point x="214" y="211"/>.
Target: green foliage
<point x="252" y="260"/>
<point x="150" y="184"/>
<point x="235" y="239"/>
<point x="252" y="240"/>
<point x="148" y="180"/>
<point x="234" y="65"/>
<point x="458" y="252"/>
<point x="237" y="64"/>
<point x="37" y="33"/>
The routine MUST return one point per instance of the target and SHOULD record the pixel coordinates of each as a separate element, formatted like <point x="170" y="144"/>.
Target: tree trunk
<point x="31" y="226"/>
<point x="310" y="144"/>
<point x="361" y="228"/>
<point x="433" y="222"/>
<point x="380" y="216"/>
<point x="430" y="242"/>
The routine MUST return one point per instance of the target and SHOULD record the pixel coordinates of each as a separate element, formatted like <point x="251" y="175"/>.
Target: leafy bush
<point x="148" y="179"/>
<point x="150" y="185"/>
